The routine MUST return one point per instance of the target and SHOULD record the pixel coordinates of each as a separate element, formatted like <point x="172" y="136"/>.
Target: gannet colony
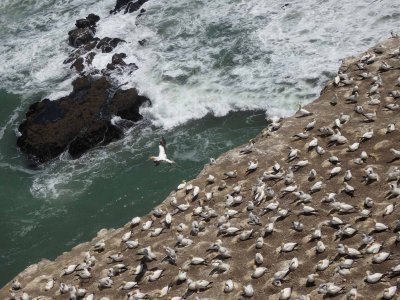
<point x="307" y="210"/>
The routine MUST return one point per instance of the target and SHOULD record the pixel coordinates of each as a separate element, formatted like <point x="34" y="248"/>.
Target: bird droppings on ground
<point x="308" y="210"/>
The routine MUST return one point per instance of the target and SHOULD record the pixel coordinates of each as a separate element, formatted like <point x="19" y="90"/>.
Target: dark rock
<point x="108" y="44"/>
<point x="78" y="64"/>
<point x="93" y="19"/>
<point x="142" y="42"/>
<point x="134" y="6"/>
<point x="129" y="5"/>
<point x="82" y="23"/>
<point x="119" y="5"/>
<point x="90" y="57"/>
<point x="79" y="121"/>
<point x="141" y="12"/>
<point x="91" y="45"/>
<point x="81" y="36"/>
<point x="118" y="59"/>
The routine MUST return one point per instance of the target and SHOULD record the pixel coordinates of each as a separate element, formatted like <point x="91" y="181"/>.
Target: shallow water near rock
<point x="232" y="56"/>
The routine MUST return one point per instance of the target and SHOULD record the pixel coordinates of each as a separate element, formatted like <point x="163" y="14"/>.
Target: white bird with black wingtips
<point x="162" y="155"/>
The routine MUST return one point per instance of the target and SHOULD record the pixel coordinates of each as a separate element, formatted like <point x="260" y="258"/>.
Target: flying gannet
<point x="162" y="155"/>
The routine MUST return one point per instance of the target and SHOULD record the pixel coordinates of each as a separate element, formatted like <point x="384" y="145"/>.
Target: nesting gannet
<point x="248" y="291"/>
<point x="313" y="143"/>
<point x="162" y="155"/>
<point x="128" y="285"/>
<point x="373" y="277"/>
<point x="389" y="292"/>
<point x="285" y="294"/>
<point x="396" y="154"/>
<point x="230" y="174"/>
<point x="49" y="284"/>
<point x="310" y="125"/>
<point x="258" y="272"/>
<point x="293" y="154"/>
<point x="330" y="289"/>
<point x="228" y="287"/>
<point x="248" y="148"/>
<point x="259" y="259"/>
<point x="105" y="282"/>
<point x="301" y="135"/>
<point x="301" y="112"/>
<point x="367" y="136"/>
<point x="390" y="128"/>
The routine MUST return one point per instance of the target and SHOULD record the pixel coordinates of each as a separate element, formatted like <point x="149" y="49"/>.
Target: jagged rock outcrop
<point x="129" y="6"/>
<point x="81" y="120"/>
<point x="78" y="121"/>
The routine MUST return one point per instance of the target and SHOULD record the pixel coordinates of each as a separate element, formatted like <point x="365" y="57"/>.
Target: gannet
<point x="285" y="294"/>
<point x="389" y="292"/>
<point x="396" y="154"/>
<point x="322" y="265"/>
<point x="252" y="166"/>
<point x="49" y="285"/>
<point x="128" y="285"/>
<point x="105" y="282"/>
<point x="301" y="112"/>
<point x="248" y="148"/>
<point x="392" y="106"/>
<point x="310" y="125"/>
<point x="384" y="66"/>
<point x="373" y="277"/>
<point x="258" y="272"/>
<point x="312" y="175"/>
<point x="301" y="135"/>
<point x="230" y="174"/>
<point x="248" y="291"/>
<point x="347" y="175"/>
<point x="330" y="289"/>
<point x="259" y="259"/>
<point x="155" y="275"/>
<point x="228" y="287"/>
<point x="313" y="143"/>
<point x="293" y="154"/>
<point x="380" y="257"/>
<point x="367" y="136"/>
<point x="352" y="98"/>
<point x="390" y="128"/>
<point x="311" y="279"/>
<point x="162" y="156"/>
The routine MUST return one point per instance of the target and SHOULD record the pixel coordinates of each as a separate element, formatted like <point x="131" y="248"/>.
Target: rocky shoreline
<point x="83" y="119"/>
<point x="308" y="211"/>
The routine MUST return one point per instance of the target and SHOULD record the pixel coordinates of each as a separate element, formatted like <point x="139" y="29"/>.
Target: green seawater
<point x="47" y="211"/>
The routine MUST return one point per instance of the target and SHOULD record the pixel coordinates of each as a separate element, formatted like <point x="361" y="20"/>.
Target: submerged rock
<point x="78" y="121"/>
<point x="107" y="44"/>
<point x="81" y="36"/>
<point x="84" y="31"/>
<point x="129" y="5"/>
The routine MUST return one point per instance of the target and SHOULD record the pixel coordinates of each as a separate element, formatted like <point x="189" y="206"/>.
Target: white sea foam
<point x="201" y="57"/>
<point x="34" y="43"/>
<point x="213" y="57"/>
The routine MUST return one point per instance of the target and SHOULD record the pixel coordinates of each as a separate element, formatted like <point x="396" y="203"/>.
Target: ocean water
<point x="211" y="69"/>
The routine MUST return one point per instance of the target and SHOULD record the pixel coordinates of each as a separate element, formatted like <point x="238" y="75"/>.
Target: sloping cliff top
<point x="319" y="221"/>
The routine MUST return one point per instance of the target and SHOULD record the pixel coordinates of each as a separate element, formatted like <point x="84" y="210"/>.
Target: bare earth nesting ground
<point x="317" y="222"/>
